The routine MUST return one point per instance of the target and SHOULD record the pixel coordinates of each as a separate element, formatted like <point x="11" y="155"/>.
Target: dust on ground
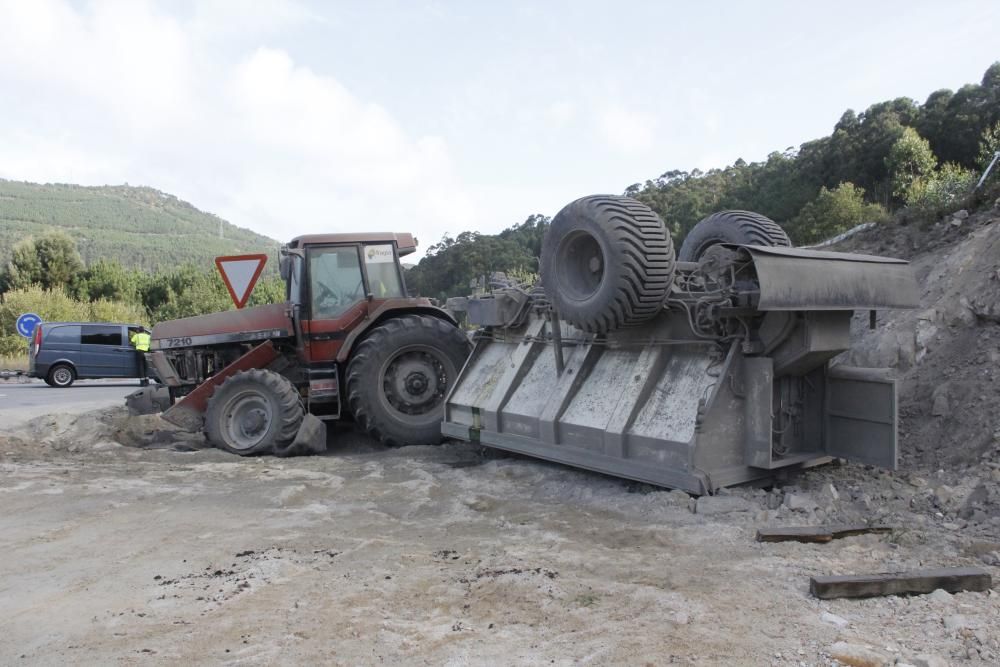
<point x="128" y="541"/>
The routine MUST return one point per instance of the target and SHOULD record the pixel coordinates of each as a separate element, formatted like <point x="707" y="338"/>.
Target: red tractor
<point x="347" y="341"/>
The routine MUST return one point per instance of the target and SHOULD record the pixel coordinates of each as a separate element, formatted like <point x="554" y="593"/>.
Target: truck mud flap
<point x="860" y="416"/>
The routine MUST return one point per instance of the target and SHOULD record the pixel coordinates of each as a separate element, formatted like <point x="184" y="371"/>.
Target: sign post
<point x="240" y="274"/>
<point x="26" y="323"/>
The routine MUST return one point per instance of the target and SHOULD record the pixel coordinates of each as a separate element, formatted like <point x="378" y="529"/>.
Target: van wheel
<point x="60" y="375"/>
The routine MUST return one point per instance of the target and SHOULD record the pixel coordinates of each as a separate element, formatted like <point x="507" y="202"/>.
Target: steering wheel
<point x="327" y="294"/>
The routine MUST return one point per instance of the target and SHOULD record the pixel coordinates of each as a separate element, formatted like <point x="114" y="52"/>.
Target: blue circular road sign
<point x="26" y="324"/>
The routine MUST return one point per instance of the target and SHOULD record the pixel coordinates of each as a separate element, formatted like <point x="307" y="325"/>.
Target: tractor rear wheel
<point x="737" y="227"/>
<point x="253" y="412"/>
<point x="607" y="262"/>
<point x="399" y="375"/>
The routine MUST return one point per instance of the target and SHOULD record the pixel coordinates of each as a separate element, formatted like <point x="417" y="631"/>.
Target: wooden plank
<point x="817" y="534"/>
<point x="795" y="534"/>
<point x="851" y="531"/>
<point x="951" y="579"/>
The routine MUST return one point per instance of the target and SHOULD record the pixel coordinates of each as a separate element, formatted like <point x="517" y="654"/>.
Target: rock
<point x="833" y="619"/>
<point x="973" y="502"/>
<point x="858" y="656"/>
<point x="928" y="660"/>
<point x="940" y="596"/>
<point x="963" y="314"/>
<point x="956" y="622"/>
<point x="800" y="502"/>
<point x="960" y="215"/>
<point x="939" y="401"/>
<point x="722" y="505"/>
<point x="991" y="558"/>
<point x="678" y="498"/>
<point x="774" y="499"/>
<point x="830" y="493"/>
<point x="943" y="495"/>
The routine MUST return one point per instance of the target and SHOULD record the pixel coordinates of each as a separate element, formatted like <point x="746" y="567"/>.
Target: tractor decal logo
<point x="379" y="254"/>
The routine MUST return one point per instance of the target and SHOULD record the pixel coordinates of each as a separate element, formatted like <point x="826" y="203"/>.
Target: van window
<point x="69" y="335"/>
<point x="102" y="335"/>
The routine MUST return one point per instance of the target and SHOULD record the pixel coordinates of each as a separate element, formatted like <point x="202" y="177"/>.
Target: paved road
<point x="20" y="401"/>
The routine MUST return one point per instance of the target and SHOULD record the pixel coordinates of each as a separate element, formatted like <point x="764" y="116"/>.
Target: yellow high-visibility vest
<point x="141" y="341"/>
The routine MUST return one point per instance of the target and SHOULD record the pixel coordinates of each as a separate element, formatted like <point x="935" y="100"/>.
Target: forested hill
<point x="137" y="226"/>
<point x="898" y="160"/>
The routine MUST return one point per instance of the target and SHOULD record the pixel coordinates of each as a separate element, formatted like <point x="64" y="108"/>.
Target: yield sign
<point x="240" y="273"/>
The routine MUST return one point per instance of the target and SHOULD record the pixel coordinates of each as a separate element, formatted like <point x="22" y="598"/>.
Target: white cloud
<point x="560" y="113"/>
<point x="625" y="130"/>
<point x="121" y="92"/>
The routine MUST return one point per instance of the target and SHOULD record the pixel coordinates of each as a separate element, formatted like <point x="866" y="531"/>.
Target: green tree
<point x="989" y="145"/>
<point x="834" y="212"/>
<point x="51" y="261"/>
<point x="107" y="279"/>
<point x="909" y="159"/>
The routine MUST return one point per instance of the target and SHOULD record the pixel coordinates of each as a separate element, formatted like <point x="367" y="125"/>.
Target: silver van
<point x="63" y="352"/>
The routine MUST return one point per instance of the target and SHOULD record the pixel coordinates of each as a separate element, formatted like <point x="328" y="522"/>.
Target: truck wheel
<point x="60" y="375"/>
<point x="252" y="412"/>
<point x="399" y="375"/>
<point x="738" y="227"/>
<point x="607" y="262"/>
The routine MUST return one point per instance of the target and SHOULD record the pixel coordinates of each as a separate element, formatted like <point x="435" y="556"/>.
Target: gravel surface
<point x="126" y="541"/>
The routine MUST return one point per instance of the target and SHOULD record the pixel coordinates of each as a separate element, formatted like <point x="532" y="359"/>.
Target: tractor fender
<point x="388" y="310"/>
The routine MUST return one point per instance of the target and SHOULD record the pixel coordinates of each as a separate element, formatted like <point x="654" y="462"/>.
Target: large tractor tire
<point x="399" y="375"/>
<point x="607" y="262"/>
<point x="253" y="412"/>
<point x="737" y="227"/>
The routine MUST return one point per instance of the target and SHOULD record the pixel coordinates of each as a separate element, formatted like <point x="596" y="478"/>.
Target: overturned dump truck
<point x="693" y="371"/>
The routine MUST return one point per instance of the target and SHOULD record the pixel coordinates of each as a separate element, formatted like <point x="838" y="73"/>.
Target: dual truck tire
<point x="608" y="261"/>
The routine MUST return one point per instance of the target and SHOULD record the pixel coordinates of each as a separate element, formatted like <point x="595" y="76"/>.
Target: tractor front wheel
<point x="253" y="412"/>
<point x="399" y="375"/>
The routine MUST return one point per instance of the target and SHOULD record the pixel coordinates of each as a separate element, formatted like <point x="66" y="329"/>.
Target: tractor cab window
<point x="294" y="291"/>
<point x="383" y="276"/>
<point x="335" y="281"/>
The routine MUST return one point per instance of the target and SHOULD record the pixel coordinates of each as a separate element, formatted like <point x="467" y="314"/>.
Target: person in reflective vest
<point x="140" y="341"/>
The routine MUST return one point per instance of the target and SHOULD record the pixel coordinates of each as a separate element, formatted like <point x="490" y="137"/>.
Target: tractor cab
<point x="335" y="282"/>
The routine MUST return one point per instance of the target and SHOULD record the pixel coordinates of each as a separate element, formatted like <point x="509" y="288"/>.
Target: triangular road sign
<point x="240" y="273"/>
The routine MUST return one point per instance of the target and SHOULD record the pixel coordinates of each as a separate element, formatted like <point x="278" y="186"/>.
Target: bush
<point x="946" y="190"/>
<point x="834" y="212"/>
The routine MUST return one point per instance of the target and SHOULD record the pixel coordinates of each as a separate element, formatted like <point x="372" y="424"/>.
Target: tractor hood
<point x="231" y="326"/>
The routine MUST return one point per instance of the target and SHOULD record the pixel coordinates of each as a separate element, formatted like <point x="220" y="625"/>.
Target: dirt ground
<point x="127" y="542"/>
<point x="119" y="554"/>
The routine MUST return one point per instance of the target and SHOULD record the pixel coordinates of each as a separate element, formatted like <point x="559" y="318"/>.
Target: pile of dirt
<point x="109" y="433"/>
<point x="947" y="353"/>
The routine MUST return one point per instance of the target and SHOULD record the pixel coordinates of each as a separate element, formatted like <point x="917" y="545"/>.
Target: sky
<point x="440" y="117"/>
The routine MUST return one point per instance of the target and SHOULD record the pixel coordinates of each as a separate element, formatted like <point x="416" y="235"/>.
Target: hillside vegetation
<point x="896" y="160"/>
<point x="141" y="227"/>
